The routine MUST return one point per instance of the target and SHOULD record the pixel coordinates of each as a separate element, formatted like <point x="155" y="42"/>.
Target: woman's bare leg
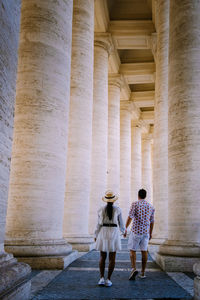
<point x="102" y="262"/>
<point x="111" y="266"/>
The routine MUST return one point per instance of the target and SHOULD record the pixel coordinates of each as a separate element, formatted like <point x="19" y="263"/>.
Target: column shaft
<point x="125" y="158"/>
<point x="146" y="166"/>
<point x="184" y="145"/>
<point x="100" y="126"/>
<point x="78" y="176"/>
<point x="8" y="65"/>
<point x="136" y="161"/>
<point x="160" y="153"/>
<point x="113" y="169"/>
<point x="12" y="273"/>
<point x="38" y="167"/>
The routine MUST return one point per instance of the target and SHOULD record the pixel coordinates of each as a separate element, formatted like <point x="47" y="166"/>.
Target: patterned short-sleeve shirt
<point x="142" y="214"/>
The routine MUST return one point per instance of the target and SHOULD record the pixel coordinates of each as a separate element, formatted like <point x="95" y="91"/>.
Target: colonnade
<point x="66" y="143"/>
<point x="73" y="138"/>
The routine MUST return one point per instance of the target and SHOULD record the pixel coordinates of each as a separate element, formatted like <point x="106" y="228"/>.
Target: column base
<point x="39" y="254"/>
<point x="50" y="262"/>
<point x="156" y="241"/>
<point x="175" y="256"/>
<point x="196" y="269"/>
<point x="14" y="279"/>
<point x="197" y="288"/>
<point x="175" y="263"/>
<point x="154" y="246"/>
<point x="82" y="243"/>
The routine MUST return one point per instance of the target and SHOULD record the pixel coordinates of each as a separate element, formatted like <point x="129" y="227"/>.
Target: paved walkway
<point x="79" y="281"/>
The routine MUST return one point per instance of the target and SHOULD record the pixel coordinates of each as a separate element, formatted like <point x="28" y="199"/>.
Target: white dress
<point x="108" y="238"/>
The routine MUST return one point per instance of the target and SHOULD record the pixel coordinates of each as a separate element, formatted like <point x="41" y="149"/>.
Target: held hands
<point x="125" y="234"/>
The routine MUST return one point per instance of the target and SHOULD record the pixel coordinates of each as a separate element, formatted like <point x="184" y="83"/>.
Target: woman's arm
<point x="121" y="223"/>
<point x="98" y="227"/>
<point x="99" y="224"/>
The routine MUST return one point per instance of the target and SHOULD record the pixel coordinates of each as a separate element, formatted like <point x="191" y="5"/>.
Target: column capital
<point x="140" y="124"/>
<point x="131" y="107"/>
<point x="147" y="136"/>
<point x="137" y="123"/>
<point x="115" y="79"/>
<point x="104" y="40"/>
<point x="126" y="105"/>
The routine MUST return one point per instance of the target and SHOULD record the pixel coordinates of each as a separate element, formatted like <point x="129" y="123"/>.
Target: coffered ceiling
<point x="132" y="24"/>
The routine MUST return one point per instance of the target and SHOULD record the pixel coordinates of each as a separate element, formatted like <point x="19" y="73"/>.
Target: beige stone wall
<point x="9" y="27"/>
<point x="78" y="175"/>
<point x="38" y="168"/>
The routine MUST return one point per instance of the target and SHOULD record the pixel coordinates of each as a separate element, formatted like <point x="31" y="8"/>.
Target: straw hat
<point x="109" y="196"/>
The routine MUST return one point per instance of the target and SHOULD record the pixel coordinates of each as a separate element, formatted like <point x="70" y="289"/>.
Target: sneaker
<point x="108" y="282"/>
<point x="133" y="274"/>
<point x="101" y="281"/>
<point x="142" y="276"/>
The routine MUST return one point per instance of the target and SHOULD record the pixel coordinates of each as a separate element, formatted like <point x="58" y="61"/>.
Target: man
<point x="142" y="215"/>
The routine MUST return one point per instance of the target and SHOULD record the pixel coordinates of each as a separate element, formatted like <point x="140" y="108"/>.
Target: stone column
<point x="136" y="160"/>
<point x="12" y="273"/>
<point x="125" y="157"/>
<point x="77" y="195"/>
<point x="113" y="169"/>
<point x="182" y="248"/>
<point x="160" y="153"/>
<point x="146" y="165"/>
<point x="38" y="166"/>
<point x="102" y="47"/>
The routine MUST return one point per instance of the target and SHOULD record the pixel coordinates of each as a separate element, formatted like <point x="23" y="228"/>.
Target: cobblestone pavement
<point x="79" y="281"/>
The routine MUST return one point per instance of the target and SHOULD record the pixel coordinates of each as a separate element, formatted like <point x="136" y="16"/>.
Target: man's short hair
<point x="142" y="194"/>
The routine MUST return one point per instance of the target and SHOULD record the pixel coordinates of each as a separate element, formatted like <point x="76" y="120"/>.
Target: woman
<point x="107" y="235"/>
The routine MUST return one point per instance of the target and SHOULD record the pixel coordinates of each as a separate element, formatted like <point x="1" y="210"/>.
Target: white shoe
<point x="101" y="281"/>
<point x="142" y="276"/>
<point x="108" y="282"/>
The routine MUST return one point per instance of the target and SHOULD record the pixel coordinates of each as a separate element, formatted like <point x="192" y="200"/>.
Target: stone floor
<point x="79" y="281"/>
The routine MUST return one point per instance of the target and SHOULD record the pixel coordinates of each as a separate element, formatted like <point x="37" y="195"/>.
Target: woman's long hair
<point x="109" y="210"/>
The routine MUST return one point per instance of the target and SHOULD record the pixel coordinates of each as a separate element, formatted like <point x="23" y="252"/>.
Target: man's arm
<point x="128" y="222"/>
<point x="151" y="223"/>
<point x="151" y="230"/>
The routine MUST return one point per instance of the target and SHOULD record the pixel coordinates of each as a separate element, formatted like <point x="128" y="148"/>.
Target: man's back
<point x="142" y="214"/>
